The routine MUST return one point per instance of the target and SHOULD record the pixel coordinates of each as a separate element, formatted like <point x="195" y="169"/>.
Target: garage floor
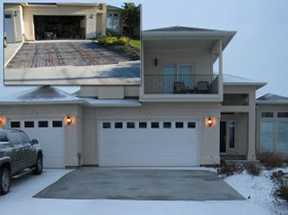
<point x="33" y="55"/>
<point x="97" y="183"/>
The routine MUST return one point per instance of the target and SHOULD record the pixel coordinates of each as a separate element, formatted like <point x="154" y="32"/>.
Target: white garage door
<point x="148" y="143"/>
<point x="50" y="134"/>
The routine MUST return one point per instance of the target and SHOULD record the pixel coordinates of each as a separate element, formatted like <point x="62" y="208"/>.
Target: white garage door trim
<point x="185" y="120"/>
<point x="49" y="161"/>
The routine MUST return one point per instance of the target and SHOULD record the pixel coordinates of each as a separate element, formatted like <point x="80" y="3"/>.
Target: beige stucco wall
<point x="108" y="92"/>
<point x="270" y="108"/>
<point x="73" y="134"/>
<point x="17" y="20"/>
<point x="89" y="12"/>
<point x="209" y="137"/>
<point x="201" y="61"/>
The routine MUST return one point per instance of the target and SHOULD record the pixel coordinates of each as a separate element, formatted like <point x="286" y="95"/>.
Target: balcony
<point x="181" y="84"/>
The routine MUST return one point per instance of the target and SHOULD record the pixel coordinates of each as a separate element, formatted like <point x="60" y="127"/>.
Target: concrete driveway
<point x="98" y="183"/>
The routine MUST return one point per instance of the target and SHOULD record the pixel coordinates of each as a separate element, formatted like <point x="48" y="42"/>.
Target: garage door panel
<point x="51" y="139"/>
<point x="148" y="146"/>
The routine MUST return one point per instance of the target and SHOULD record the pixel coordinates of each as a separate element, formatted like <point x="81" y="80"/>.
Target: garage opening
<point x="59" y="27"/>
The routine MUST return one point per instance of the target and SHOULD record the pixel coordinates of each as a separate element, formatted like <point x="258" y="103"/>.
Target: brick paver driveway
<point x="33" y="55"/>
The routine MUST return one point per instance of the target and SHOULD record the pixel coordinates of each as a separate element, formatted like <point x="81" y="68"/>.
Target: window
<point x="3" y="137"/>
<point x="15" y="124"/>
<point x="57" y="124"/>
<point x="231" y="126"/>
<point x="43" y="124"/>
<point x="267" y="136"/>
<point x="282" y="136"/>
<point x="191" y="125"/>
<point x="282" y="114"/>
<point x="179" y="125"/>
<point x="112" y="22"/>
<point x="130" y="125"/>
<point x="8" y="16"/>
<point x="166" y="124"/>
<point x="106" y="125"/>
<point x="29" y="124"/>
<point x="118" y="125"/>
<point x="267" y="114"/>
<point x="142" y="124"/>
<point x="24" y="138"/>
<point x="15" y="138"/>
<point x="154" y="124"/>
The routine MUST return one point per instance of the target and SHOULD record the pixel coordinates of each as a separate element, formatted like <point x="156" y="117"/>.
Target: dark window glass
<point x="130" y="125"/>
<point x="106" y="125"/>
<point x="15" y="124"/>
<point x="3" y="137"/>
<point x="43" y="124"/>
<point x="282" y="114"/>
<point x="29" y="124"/>
<point x="154" y="124"/>
<point x="15" y="138"/>
<point x="142" y="124"/>
<point x="267" y="114"/>
<point x="24" y="138"/>
<point x="191" y="125"/>
<point x="231" y="134"/>
<point x="118" y="125"/>
<point x="166" y="124"/>
<point x="179" y="125"/>
<point x="8" y="16"/>
<point x="57" y="124"/>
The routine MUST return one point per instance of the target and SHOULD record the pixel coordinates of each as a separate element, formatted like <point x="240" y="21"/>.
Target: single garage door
<point x="59" y="27"/>
<point x="50" y="134"/>
<point x="148" y="143"/>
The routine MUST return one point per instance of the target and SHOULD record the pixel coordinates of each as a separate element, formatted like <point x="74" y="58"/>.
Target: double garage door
<point x="50" y="134"/>
<point x="148" y="143"/>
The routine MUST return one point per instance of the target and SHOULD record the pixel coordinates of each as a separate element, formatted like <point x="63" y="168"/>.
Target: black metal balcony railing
<point x="181" y="84"/>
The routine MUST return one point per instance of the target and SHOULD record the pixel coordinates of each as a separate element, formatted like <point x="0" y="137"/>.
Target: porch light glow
<point x="209" y="121"/>
<point x="2" y="121"/>
<point x="69" y="120"/>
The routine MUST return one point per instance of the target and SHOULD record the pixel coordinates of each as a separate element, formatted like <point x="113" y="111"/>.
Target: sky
<point x="259" y="50"/>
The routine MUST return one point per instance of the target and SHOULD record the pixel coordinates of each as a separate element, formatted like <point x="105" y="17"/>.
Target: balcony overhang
<point x="181" y="98"/>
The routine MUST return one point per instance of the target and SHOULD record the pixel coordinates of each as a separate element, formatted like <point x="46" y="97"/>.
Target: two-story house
<point x="183" y="114"/>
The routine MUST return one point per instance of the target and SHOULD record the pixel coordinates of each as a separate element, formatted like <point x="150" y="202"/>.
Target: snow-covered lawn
<point x="20" y="200"/>
<point x="259" y="190"/>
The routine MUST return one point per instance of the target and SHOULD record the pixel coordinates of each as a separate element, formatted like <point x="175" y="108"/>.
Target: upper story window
<point x="112" y="22"/>
<point x="267" y="114"/>
<point x="282" y="114"/>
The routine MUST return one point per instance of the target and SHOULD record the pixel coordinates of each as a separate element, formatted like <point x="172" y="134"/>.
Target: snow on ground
<point x="260" y="190"/>
<point x="20" y="201"/>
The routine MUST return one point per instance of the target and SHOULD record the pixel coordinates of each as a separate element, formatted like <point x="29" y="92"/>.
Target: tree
<point x="131" y="17"/>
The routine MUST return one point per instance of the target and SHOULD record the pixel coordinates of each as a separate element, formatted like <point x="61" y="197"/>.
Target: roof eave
<point x="40" y="102"/>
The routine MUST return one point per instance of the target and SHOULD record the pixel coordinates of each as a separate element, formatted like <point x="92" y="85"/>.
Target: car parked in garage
<point x="17" y="153"/>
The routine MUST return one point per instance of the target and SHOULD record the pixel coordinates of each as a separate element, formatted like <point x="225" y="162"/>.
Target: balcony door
<point x="173" y="73"/>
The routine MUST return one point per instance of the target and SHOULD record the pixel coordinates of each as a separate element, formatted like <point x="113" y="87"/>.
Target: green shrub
<point x="253" y="169"/>
<point x="107" y="41"/>
<point x="123" y="40"/>
<point x="111" y="33"/>
<point x="270" y="159"/>
<point x="230" y="169"/>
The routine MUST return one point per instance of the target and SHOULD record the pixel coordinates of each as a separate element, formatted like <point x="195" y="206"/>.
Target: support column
<point x="251" y="128"/>
<point x="220" y="70"/>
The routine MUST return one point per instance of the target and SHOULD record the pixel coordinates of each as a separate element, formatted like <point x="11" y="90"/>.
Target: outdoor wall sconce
<point x="69" y="120"/>
<point x="2" y="121"/>
<point x="15" y="13"/>
<point x="155" y="61"/>
<point x="91" y="16"/>
<point x="210" y="122"/>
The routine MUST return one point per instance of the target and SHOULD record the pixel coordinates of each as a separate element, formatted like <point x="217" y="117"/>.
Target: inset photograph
<point x="72" y="44"/>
